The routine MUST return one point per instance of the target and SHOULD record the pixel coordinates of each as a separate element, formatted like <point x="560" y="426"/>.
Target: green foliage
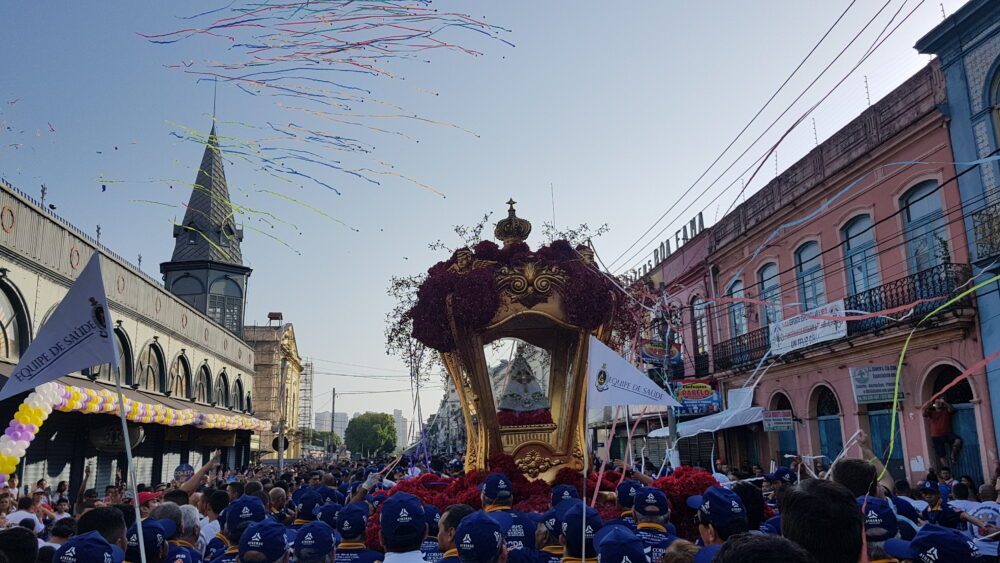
<point x="321" y="439"/>
<point x="372" y="432"/>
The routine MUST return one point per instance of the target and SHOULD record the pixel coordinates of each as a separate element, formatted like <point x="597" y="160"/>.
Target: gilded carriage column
<point x="513" y="326"/>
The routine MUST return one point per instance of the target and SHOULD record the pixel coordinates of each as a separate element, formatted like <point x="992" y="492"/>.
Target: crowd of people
<point x="328" y="512"/>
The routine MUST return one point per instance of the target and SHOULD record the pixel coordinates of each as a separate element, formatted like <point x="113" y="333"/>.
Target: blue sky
<point x="618" y="106"/>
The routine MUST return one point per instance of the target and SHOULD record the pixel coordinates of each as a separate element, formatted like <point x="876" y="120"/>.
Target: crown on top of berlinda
<point x="512" y="229"/>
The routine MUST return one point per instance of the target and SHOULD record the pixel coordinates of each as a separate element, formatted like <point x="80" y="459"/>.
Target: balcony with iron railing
<point x="986" y="229"/>
<point x="928" y="289"/>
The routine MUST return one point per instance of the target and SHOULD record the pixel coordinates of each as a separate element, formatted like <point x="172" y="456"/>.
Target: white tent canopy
<point x="739" y="413"/>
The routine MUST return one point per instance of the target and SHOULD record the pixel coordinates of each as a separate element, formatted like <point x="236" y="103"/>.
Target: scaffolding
<point x="306" y="397"/>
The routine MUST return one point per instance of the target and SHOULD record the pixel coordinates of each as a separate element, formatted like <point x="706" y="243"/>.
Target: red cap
<point x="145" y="497"/>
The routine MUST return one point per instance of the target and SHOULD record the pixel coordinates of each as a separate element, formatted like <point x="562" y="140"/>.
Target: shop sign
<point x="211" y="439"/>
<point x="778" y="421"/>
<point x="109" y="438"/>
<point x="874" y="384"/>
<point x="802" y="332"/>
<point x="697" y="397"/>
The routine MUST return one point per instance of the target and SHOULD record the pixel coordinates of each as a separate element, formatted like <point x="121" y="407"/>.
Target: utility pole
<point x="283" y="411"/>
<point x="333" y="418"/>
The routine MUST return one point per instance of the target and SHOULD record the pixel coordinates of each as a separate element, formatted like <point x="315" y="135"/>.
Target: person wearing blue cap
<point x="579" y="525"/>
<point x="550" y="548"/>
<point x="652" y="511"/>
<point x="89" y="547"/>
<point x="448" y="529"/>
<point x="625" y="499"/>
<point x="519" y="530"/>
<point x="775" y="485"/>
<point x="479" y="539"/>
<point x="305" y="509"/>
<point x="880" y="526"/>
<point x="263" y="542"/>
<point x="940" y="512"/>
<point x="617" y="544"/>
<point x="314" y="543"/>
<point x="352" y="523"/>
<point x="497" y="493"/>
<point x="720" y="515"/>
<point x="561" y="493"/>
<point x="404" y="528"/>
<point x="239" y="514"/>
<point x="934" y="543"/>
<point x="432" y="553"/>
<point x="155" y="534"/>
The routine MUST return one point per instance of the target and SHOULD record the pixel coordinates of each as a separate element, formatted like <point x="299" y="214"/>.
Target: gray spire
<point x="209" y="231"/>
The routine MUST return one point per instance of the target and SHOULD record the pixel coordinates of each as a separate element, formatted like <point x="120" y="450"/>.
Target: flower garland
<point x="587" y="296"/>
<point x="524" y="418"/>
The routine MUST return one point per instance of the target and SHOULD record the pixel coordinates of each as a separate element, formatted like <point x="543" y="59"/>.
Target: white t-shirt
<point x="59" y="517"/>
<point x="965" y="506"/>
<point x="918" y="505"/>
<point x="15" y="518"/>
<point x="988" y="512"/>
<point x="208" y="531"/>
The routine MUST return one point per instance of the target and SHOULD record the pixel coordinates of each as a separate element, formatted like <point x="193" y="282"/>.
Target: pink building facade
<point x="894" y="239"/>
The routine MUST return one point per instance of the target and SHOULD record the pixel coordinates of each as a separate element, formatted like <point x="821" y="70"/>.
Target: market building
<point x="967" y="44"/>
<point x="889" y="239"/>
<point x="178" y="349"/>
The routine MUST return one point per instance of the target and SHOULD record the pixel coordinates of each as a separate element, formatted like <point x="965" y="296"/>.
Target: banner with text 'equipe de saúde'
<point x="78" y="335"/>
<point x="612" y="381"/>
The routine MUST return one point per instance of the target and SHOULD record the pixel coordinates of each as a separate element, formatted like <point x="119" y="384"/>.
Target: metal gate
<point x="880" y="425"/>
<point x="171" y="459"/>
<point x="963" y="423"/>
<point x="787" y="445"/>
<point x="831" y="441"/>
<point x="697" y="450"/>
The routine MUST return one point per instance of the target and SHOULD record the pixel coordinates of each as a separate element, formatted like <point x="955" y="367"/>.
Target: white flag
<point x="78" y="335"/>
<point x="612" y="381"/>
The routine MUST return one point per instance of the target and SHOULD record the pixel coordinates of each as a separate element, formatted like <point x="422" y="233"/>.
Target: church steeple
<point x="206" y="269"/>
<point x="209" y="230"/>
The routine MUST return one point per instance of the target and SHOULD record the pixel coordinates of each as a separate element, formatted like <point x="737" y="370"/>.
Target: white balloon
<point x="23" y="444"/>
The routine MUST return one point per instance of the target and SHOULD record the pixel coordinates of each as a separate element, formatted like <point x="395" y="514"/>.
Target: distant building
<point x="340" y="421"/>
<point x="402" y="429"/>
<point x="324" y="421"/>
<point x="275" y="346"/>
<point x="446" y="428"/>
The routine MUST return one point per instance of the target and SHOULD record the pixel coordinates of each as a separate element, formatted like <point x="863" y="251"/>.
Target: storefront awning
<point x="739" y="413"/>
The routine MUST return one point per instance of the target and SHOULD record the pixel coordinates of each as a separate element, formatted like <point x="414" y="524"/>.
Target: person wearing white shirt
<point x="23" y="513"/>
<point x="903" y="492"/>
<point x="211" y="506"/>
<point x="962" y="502"/>
<point x="988" y="511"/>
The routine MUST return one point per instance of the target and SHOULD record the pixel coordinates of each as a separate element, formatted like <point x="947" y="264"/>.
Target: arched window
<point x="249" y="403"/>
<point x="225" y="304"/>
<point x="860" y="255"/>
<point x="203" y="386"/>
<point x="187" y="285"/>
<point x="809" y="274"/>
<point x="238" y="399"/>
<point x="151" y="375"/>
<point x="103" y="371"/>
<point x="826" y="402"/>
<point x="770" y="291"/>
<point x="222" y="390"/>
<point x="923" y="218"/>
<point x="737" y="310"/>
<point x="180" y="378"/>
<point x="13" y="326"/>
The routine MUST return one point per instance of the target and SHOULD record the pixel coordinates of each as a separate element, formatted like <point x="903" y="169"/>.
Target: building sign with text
<point x="804" y="331"/>
<point x="696" y="397"/>
<point x="778" y="421"/>
<point x="874" y="384"/>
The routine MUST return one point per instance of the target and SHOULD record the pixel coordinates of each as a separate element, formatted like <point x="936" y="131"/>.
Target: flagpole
<point x="128" y="457"/>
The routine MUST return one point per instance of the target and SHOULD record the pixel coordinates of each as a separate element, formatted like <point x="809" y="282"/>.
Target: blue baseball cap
<point x="498" y="486"/>
<point x="930" y="487"/>
<point x="718" y="506"/>
<point x="308" y="504"/>
<point x="155" y="534"/>
<point x="783" y="474"/>
<point x="86" y="548"/>
<point x="403" y="517"/>
<point x="935" y="543"/>
<point x="552" y="519"/>
<point x="329" y="494"/>
<point x="563" y="492"/>
<point x="518" y="528"/>
<point x="626" y="492"/>
<point x="577" y="518"/>
<point x="266" y="537"/>
<point x="479" y="538"/>
<point x="328" y="513"/>
<point x="244" y="509"/>
<point x="617" y="544"/>
<point x="880" y="520"/>
<point x="433" y="517"/>
<point x="352" y="520"/>
<point x="650" y="501"/>
<point x="377" y="499"/>
<point x="314" y="541"/>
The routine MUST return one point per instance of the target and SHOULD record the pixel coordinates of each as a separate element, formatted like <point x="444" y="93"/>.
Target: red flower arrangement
<point x="524" y="418"/>
<point x="683" y="483"/>
<point x="587" y="296"/>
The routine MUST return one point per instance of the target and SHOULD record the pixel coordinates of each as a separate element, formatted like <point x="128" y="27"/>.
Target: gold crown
<point x="513" y="228"/>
